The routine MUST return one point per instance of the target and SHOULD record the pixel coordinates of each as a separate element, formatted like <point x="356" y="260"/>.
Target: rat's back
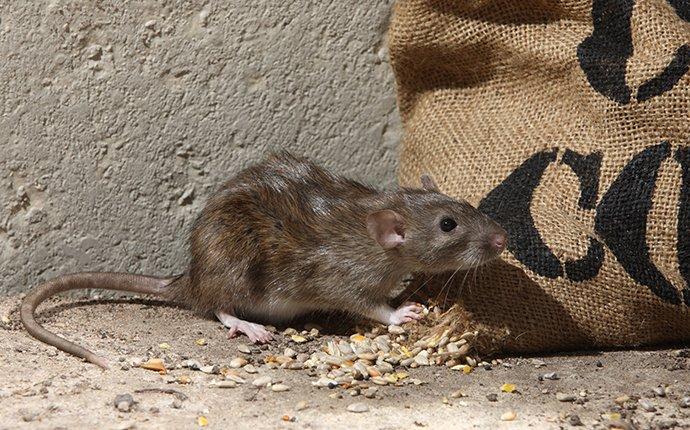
<point x="268" y="235"/>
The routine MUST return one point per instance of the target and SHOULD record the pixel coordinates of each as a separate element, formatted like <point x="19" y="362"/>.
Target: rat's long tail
<point x="109" y="281"/>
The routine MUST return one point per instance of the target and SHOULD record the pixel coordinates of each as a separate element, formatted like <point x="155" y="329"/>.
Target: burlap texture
<point x="568" y="122"/>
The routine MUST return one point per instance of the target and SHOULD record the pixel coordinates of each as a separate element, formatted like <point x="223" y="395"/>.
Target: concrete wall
<point x="119" y="118"/>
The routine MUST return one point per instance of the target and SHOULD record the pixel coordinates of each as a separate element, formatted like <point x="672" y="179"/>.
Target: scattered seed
<point x="508" y="416"/>
<point x="358" y="408"/>
<point x="422" y="358"/>
<point x="357" y="338"/>
<point x="508" y="388"/>
<point x="298" y="339"/>
<point x="183" y="379"/>
<point x="223" y="384"/>
<point x="262" y="381"/>
<point x="395" y="329"/>
<point x="235" y="378"/>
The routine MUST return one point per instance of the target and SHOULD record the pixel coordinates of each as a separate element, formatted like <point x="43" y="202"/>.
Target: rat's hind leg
<point x="255" y="332"/>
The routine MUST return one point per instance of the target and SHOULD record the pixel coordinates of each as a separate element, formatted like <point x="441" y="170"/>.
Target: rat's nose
<point x="498" y="242"/>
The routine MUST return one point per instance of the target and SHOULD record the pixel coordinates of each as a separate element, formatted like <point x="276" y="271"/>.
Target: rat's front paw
<point x="406" y="313"/>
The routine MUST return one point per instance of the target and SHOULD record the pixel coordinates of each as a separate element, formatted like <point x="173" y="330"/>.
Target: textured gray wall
<point x="118" y="118"/>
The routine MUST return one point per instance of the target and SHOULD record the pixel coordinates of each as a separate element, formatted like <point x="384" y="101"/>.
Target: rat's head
<point x="434" y="233"/>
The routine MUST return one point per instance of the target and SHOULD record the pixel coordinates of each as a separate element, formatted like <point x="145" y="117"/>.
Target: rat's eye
<point x="448" y="224"/>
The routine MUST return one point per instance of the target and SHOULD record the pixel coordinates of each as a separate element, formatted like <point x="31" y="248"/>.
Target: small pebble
<point x="124" y="402"/>
<point x="358" y="408"/>
<point x="31" y="416"/>
<point x="620" y="400"/>
<point x="664" y="424"/>
<point x="660" y="391"/>
<point x="562" y="397"/>
<point x="243" y="349"/>
<point x="211" y="370"/>
<point x="370" y="392"/>
<point x="279" y="388"/>
<point x="192" y="364"/>
<point x="620" y="424"/>
<point x="493" y="397"/>
<point x="93" y="52"/>
<point x="574" y="420"/>
<point x="685" y="402"/>
<point x="325" y="382"/>
<point x="648" y="407"/>
<point x="552" y="376"/>
<point x="538" y="363"/>
<point x="457" y="394"/>
<point x="301" y="405"/>
<point x="176" y="404"/>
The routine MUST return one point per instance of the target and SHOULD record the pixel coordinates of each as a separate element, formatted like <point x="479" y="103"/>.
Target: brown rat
<point x="285" y="237"/>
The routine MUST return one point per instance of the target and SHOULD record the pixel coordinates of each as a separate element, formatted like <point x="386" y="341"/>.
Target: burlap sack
<point x="569" y="123"/>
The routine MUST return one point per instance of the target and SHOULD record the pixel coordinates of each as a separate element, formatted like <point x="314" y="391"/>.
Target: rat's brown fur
<point x="285" y="237"/>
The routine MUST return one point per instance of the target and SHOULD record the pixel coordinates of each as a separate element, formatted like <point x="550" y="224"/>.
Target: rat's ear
<point x="387" y="228"/>
<point x="428" y="183"/>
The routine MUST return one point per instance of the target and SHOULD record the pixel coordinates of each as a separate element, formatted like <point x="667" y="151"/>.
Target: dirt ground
<point x="46" y="389"/>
